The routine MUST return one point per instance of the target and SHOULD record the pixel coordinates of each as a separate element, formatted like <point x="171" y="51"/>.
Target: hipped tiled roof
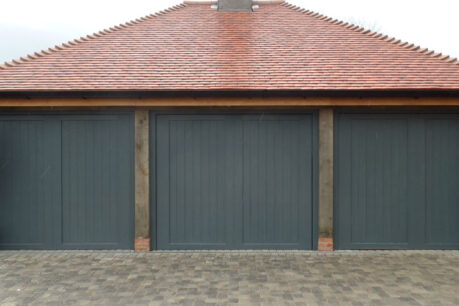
<point x="194" y="47"/>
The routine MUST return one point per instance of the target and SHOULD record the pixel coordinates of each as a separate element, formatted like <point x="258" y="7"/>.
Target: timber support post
<point x="325" y="179"/>
<point x="142" y="184"/>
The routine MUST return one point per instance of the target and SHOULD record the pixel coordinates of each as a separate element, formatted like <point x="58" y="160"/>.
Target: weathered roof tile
<point x="278" y="46"/>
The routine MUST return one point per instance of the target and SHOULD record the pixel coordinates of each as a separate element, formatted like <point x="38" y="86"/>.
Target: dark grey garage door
<point x="235" y="182"/>
<point x="66" y="182"/>
<point x="397" y="181"/>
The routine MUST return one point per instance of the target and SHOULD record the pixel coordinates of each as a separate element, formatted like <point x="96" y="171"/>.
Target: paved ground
<point x="246" y="278"/>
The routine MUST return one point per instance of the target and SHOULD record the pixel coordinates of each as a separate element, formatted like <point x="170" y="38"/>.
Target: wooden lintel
<point x="229" y="102"/>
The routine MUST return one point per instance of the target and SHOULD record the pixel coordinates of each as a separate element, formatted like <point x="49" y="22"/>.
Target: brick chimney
<point x="235" y="5"/>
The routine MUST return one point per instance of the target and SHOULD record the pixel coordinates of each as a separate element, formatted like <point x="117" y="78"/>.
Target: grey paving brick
<point x="228" y="278"/>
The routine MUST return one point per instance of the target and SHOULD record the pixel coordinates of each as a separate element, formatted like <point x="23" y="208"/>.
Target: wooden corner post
<point x="142" y="184"/>
<point x="325" y="179"/>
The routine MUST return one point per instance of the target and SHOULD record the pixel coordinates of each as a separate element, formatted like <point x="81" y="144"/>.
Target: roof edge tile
<point x="89" y="37"/>
<point x="367" y="32"/>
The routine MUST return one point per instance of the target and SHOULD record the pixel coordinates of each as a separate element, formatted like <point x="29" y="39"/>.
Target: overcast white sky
<point x="27" y="26"/>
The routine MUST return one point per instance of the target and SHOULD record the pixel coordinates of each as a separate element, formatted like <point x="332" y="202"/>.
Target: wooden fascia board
<point x="230" y="102"/>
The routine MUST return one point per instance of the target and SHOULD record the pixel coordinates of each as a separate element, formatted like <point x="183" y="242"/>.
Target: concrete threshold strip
<point x="454" y="253"/>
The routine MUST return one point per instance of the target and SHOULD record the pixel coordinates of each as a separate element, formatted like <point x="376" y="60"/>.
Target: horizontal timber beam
<point x="228" y="102"/>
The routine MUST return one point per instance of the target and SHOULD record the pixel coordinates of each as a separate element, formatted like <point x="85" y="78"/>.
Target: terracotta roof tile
<point x="194" y="47"/>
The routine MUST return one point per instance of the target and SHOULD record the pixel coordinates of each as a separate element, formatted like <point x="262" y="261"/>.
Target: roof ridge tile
<point x="262" y="2"/>
<point x="89" y="37"/>
<point x="199" y="2"/>
<point x="377" y="35"/>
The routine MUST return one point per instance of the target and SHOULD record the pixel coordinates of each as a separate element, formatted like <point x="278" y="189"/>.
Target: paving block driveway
<point x="245" y="278"/>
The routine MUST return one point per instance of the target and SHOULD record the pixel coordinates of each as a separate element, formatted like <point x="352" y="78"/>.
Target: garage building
<point x="212" y="126"/>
